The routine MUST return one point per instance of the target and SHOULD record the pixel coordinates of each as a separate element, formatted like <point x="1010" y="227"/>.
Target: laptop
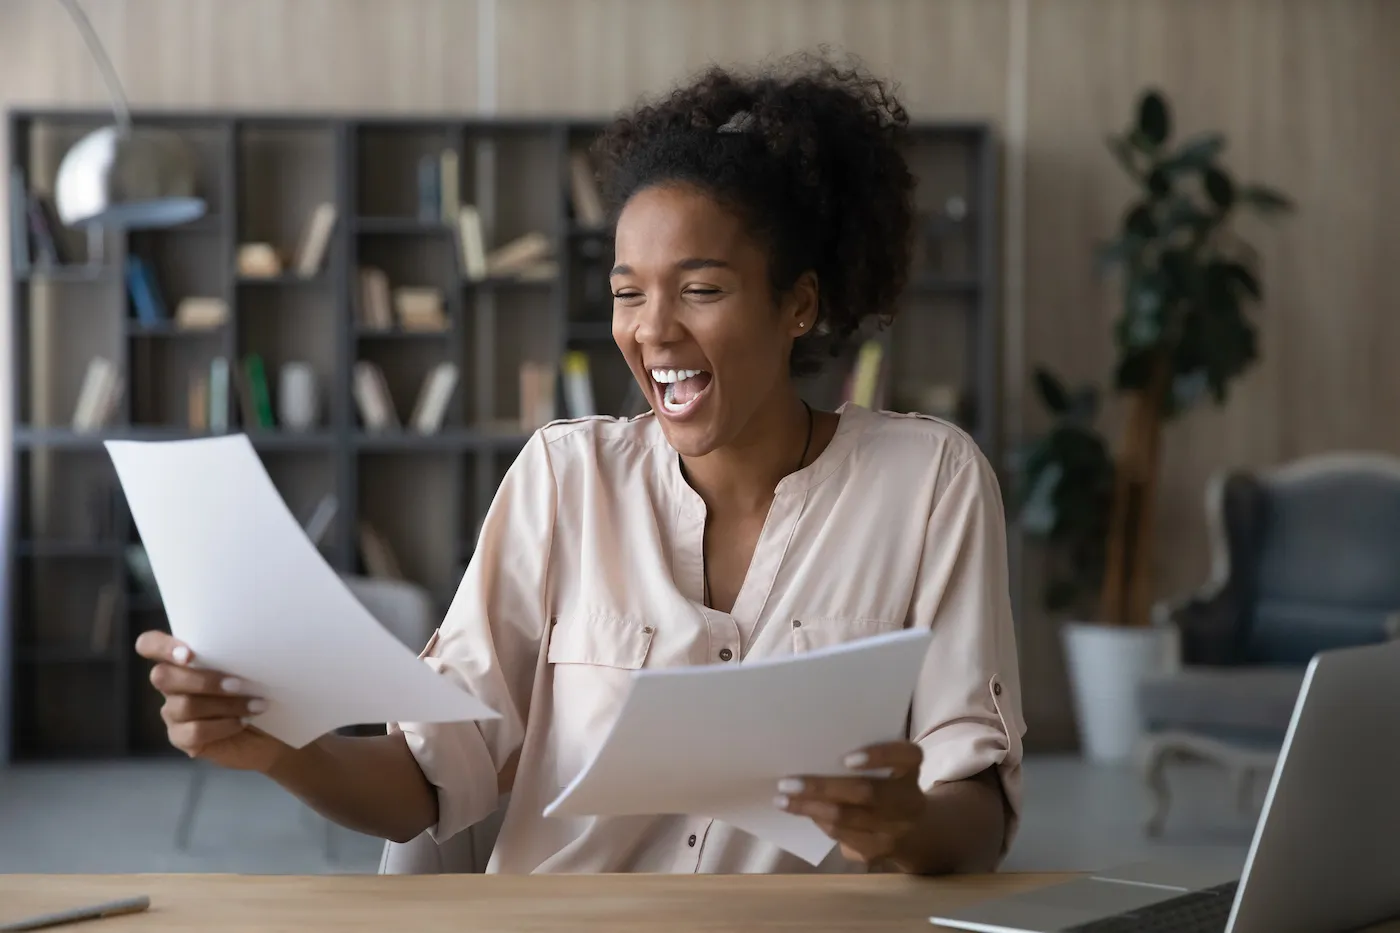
<point x="1325" y="857"/>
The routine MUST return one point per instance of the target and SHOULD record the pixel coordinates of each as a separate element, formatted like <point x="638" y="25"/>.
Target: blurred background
<point x="1154" y="279"/>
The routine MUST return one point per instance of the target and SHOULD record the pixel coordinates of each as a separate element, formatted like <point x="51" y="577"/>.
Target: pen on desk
<point x="130" y="905"/>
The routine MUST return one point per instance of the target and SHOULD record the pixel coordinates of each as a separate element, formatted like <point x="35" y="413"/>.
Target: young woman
<point x="759" y="222"/>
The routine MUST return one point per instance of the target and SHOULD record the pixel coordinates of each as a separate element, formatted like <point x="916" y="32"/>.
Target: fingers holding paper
<point x="204" y="710"/>
<point x="869" y="814"/>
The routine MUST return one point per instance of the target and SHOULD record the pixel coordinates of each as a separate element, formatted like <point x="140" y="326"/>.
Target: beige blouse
<point x="589" y="568"/>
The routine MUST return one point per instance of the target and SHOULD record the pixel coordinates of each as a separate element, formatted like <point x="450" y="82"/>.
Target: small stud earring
<point x="801" y="323"/>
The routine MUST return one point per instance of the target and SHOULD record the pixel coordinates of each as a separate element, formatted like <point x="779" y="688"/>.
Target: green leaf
<point x="1052" y="391"/>
<point x="1196" y="153"/>
<point x="1114" y="252"/>
<point x="1039" y="516"/>
<point x="1144" y="312"/>
<point x="1123" y="151"/>
<point x="1153" y="119"/>
<point x="1241" y="275"/>
<point x="1220" y="188"/>
<point x="1159" y="183"/>
<point x="1265" y="200"/>
<point x="1138" y="222"/>
<point x="1084" y="405"/>
<point x="1134" y="371"/>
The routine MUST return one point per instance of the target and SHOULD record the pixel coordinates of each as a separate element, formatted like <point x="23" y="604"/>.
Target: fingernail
<point x="181" y="655"/>
<point x="231" y="685"/>
<point x="857" y="760"/>
<point x="257" y="705"/>
<point x="781" y="802"/>
<point x="790" y="786"/>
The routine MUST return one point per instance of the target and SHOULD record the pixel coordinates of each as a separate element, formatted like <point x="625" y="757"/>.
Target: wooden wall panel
<point x="1305" y="93"/>
<point x="595" y="56"/>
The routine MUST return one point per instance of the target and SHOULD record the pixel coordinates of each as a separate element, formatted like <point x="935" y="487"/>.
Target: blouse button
<point x="691" y="841"/>
<point x="725" y="654"/>
<point x="996" y="689"/>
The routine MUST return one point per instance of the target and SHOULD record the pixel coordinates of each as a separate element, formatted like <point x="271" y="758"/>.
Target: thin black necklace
<point x="801" y="461"/>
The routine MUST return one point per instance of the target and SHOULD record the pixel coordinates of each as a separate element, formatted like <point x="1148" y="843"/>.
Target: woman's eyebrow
<point x="688" y="265"/>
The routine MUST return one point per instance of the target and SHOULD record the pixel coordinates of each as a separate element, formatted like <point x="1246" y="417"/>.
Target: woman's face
<point x="694" y="315"/>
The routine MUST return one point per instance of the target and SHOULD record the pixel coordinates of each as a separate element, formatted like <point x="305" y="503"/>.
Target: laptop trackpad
<point x="1045" y="910"/>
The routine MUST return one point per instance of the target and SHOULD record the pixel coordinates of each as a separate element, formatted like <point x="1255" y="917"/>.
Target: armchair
<point x="1304" y="558"/>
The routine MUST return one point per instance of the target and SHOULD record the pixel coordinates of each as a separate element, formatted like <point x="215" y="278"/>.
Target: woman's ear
<point x="800" y="309"/>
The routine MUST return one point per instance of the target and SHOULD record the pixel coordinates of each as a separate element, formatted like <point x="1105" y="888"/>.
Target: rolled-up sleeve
<point x="966" y="712"/>
<point x="489" y="643"/>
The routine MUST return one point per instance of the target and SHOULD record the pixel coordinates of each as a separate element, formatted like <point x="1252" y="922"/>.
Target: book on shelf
<point x="538" y="384"/>
<point x="220" y="385"/>
<point x="471" y="243"/>
<point x="318" y="523"/>
<point x="429" y="189"/>
<point x="372" y="398"/>
<point x="375" y="305"/>
<point x="145" y="292"/>
<point x="98" y="396"/>
<point x="419" y="308"/>
<point x="255" y="394"/>
<point x="583" y="191"/>
<point x="315" y="240"/>
<point x="197" y="402"/>
<point x="578" y="384"/>
<point x="518" y="255"/>
<point x="138" y="565"/>
<point x="433" y="398"/>
<point x="378" y="557"/>
<point x="200" y="312"/>
<point x="866" y="382"/>
<point x="439" y="180"/>
<point x="104" y="616"/>
<point x="449" y="185"/>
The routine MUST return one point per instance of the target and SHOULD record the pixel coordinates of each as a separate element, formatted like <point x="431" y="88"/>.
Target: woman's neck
<point x="743" y="475"/>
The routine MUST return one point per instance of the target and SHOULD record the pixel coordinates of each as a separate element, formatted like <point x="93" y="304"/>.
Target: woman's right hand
<point x="204" y="710"/>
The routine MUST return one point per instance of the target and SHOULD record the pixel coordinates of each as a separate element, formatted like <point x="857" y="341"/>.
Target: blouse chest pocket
<point x="811" y="633"/>
<point x="600" y="639"/>
<point x="592" y="657"/>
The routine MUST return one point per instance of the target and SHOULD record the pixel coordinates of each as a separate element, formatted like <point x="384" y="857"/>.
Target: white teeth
<point x="669" y="376"/>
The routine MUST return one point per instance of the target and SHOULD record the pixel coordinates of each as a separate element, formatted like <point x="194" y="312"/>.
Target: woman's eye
<point x="702" y="292"/>
<point x="623" y="296"/>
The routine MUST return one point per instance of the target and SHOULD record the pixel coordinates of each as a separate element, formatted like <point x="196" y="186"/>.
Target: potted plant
<point x="1182" y="337"/>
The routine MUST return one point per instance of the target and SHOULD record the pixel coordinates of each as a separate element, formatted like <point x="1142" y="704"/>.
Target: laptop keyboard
<point x="1204" y="911"/>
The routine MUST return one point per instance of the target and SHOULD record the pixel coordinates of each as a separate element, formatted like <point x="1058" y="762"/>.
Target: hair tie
<point x="741" y="122"/>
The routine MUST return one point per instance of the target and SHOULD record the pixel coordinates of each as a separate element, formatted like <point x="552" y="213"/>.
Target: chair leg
<point x="194" y="793"/>
<point x="1154" y="775"/>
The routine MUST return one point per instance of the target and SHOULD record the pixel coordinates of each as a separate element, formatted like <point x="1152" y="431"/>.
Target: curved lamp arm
<point x="104" y="64"/>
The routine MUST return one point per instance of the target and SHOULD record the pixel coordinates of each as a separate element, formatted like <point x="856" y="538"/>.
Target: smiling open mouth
<point x="680" y="389"/>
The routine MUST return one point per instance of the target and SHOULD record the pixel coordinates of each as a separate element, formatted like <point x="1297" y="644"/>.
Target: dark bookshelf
<point x="67" y="693"/>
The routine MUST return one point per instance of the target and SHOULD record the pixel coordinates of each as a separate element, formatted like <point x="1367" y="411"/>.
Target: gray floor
<point x="121" y="817"/>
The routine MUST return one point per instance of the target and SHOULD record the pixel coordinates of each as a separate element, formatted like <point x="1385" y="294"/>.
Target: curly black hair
<point x="809" y="155"/>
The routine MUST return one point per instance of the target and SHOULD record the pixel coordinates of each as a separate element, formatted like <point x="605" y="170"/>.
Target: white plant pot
<point x="1105" y="665"/>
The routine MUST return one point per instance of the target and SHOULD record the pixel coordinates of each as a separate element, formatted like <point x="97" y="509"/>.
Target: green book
<point x="257" y="386"/>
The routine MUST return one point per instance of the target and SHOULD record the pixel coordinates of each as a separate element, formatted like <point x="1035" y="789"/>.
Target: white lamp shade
<point x="141" y="178"/>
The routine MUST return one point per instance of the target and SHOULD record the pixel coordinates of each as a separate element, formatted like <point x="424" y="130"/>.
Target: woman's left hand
<point x="870" y="816"/>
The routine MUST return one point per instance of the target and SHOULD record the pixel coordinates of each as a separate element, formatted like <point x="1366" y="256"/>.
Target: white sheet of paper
<point x="713" y="741"/>
<point x="248" y="592"/>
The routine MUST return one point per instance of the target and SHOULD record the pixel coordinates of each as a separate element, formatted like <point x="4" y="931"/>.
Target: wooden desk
<point x="479" y="903"/>
<point x="470" y="903"/>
